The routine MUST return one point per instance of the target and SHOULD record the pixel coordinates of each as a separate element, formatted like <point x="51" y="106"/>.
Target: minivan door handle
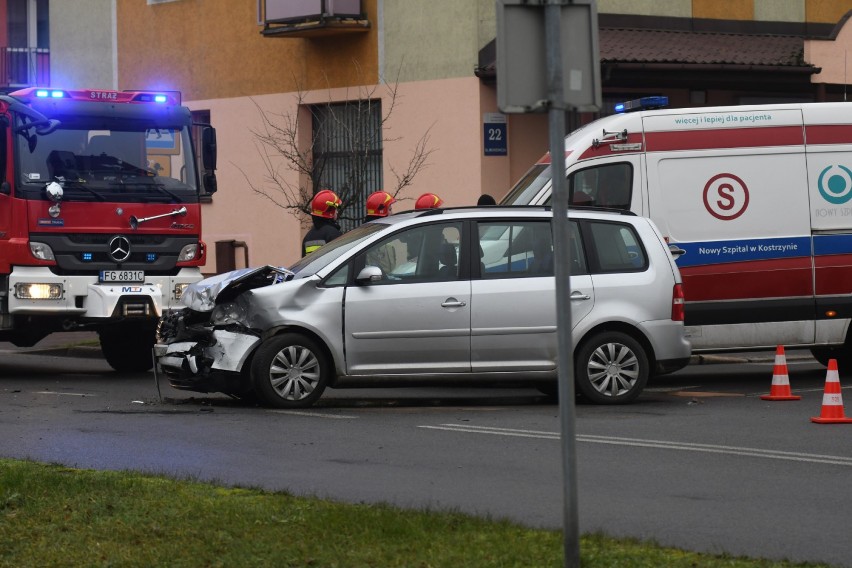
<point x="453" y="303"/>
<point x="577" y="295"/>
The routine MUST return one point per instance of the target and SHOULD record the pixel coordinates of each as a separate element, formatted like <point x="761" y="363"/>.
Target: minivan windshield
<point x="320" y="258"/>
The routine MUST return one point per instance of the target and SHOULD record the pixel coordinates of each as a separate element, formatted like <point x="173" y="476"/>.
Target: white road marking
<point x="314" y="414"/>
<point x="711" y="448"/>
<point x="661" y="444"/>
<point x="499" y="431"/>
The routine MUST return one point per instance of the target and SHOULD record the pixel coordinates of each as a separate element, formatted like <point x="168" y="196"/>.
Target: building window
<point x="200" y="119"/>
<point x="26" y="57"/>
<point x="27" y="23"/>
<point x="347" y="154"/>
<point x="18" y="30"/>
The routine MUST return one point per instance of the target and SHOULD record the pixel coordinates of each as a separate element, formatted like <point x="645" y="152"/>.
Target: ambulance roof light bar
<point x="645" y="103"/>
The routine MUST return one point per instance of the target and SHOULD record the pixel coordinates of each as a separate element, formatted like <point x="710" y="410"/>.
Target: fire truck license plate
<point x="122" y="276"/>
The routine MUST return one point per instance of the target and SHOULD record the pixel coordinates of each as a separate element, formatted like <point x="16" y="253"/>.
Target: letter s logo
<point x="726" y="197"/>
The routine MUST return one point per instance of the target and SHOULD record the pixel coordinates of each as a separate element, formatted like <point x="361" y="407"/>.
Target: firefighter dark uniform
<point x="324" y="207"/>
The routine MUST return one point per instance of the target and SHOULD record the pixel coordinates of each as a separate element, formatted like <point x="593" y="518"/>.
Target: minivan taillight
<point x="677" y="302"/>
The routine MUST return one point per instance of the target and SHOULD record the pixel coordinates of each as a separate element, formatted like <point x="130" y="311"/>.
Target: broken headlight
<point x="228" y="313"/>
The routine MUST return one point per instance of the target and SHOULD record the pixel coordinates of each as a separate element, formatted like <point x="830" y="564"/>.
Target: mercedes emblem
<point x="119" y="248"/>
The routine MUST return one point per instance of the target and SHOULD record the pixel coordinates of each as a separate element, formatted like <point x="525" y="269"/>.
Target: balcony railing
<point x="24" y="67"/>
<point x="311" y="18"/>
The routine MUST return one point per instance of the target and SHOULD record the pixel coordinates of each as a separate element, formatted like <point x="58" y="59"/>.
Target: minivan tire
<point x="289" y="371"/>
<point x="611" y="368"/>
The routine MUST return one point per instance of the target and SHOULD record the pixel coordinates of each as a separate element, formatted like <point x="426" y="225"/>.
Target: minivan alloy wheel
<point x="289" y="371"/>
<point x="294" y="372"/>
<point x="611" y="368"/>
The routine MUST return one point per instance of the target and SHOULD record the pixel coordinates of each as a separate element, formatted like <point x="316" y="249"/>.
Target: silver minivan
<point x="437" y="295"/>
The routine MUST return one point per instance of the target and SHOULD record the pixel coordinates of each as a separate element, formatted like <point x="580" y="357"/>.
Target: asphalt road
<point x="699" y="462"/>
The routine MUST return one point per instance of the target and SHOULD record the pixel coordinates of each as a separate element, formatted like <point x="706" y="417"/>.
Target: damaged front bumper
<point x="200" y="351"/>
<point x="207" y="366"/>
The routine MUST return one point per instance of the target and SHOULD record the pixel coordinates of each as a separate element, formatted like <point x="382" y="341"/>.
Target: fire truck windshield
<point x="96" y="159"/>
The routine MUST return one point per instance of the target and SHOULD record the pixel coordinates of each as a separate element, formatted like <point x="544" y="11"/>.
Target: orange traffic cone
<point x="832" y="400"/>
<point x="780" y="389"/>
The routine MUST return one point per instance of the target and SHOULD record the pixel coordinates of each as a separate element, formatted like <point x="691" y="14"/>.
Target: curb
<point x="80" y="351"/>
<point x="715" y="359"/>
<point x="729" y="359"/>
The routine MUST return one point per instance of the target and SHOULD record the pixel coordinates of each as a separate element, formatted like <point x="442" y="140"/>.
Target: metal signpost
<point x="558" y="74"/>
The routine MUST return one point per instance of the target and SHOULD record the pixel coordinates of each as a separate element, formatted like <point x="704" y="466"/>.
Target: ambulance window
<point x="609" y="186"/>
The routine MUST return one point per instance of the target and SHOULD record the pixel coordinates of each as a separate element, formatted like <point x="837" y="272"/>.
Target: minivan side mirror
<point x="369" y="274"/>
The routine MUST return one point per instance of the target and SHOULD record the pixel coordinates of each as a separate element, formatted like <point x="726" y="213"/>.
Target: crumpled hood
<point x="204" y="295"/>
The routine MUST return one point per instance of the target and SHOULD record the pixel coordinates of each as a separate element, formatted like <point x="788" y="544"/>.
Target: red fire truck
<point x="100" y="216"/>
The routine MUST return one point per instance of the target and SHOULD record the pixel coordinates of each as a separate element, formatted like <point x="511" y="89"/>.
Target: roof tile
<point x="663" y="46"/>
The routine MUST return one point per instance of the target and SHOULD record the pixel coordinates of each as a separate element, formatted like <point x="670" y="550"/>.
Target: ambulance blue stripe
<point x="832" y="244"/>
<point x="743" y="250"/>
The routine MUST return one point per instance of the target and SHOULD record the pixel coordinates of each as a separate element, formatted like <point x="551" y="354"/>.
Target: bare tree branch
<point x="419" y="160"/>
<point x="353" y="141"/>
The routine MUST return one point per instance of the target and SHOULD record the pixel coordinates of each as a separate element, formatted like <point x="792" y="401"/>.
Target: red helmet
<point x="378" y="203"/>
<point x="325" y="204"/>
<point x="428" y="201"/>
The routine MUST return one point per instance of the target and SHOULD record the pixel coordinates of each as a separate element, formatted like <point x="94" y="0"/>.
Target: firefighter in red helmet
<point x="384" y="255"/>
<point x="428" y="201"/>
<point x="324" y="208"/>
<point x="379" y="205"/>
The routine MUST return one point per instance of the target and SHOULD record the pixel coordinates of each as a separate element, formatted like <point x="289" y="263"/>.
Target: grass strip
<point x="52" y="515"/>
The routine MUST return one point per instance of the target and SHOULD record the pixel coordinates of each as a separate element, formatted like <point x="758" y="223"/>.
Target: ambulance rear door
<point x="729" y="187"/>
<point x="828" y="134"/>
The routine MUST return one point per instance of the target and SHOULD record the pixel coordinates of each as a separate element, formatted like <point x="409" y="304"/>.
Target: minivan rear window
<point x="615" y="248"/>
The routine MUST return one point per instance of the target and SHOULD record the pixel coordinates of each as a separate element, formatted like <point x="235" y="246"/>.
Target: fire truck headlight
<point x="41" y="251"/>
<point x="37" y="291"/>
<point x="179" y="288"/>
<point x="188" y="252"/>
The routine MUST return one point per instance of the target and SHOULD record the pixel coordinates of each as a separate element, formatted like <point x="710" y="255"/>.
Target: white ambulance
<point x="755" y="200"/>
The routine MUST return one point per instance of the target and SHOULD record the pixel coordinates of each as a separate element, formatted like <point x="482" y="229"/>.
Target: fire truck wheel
<point x="128" y="349"/>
